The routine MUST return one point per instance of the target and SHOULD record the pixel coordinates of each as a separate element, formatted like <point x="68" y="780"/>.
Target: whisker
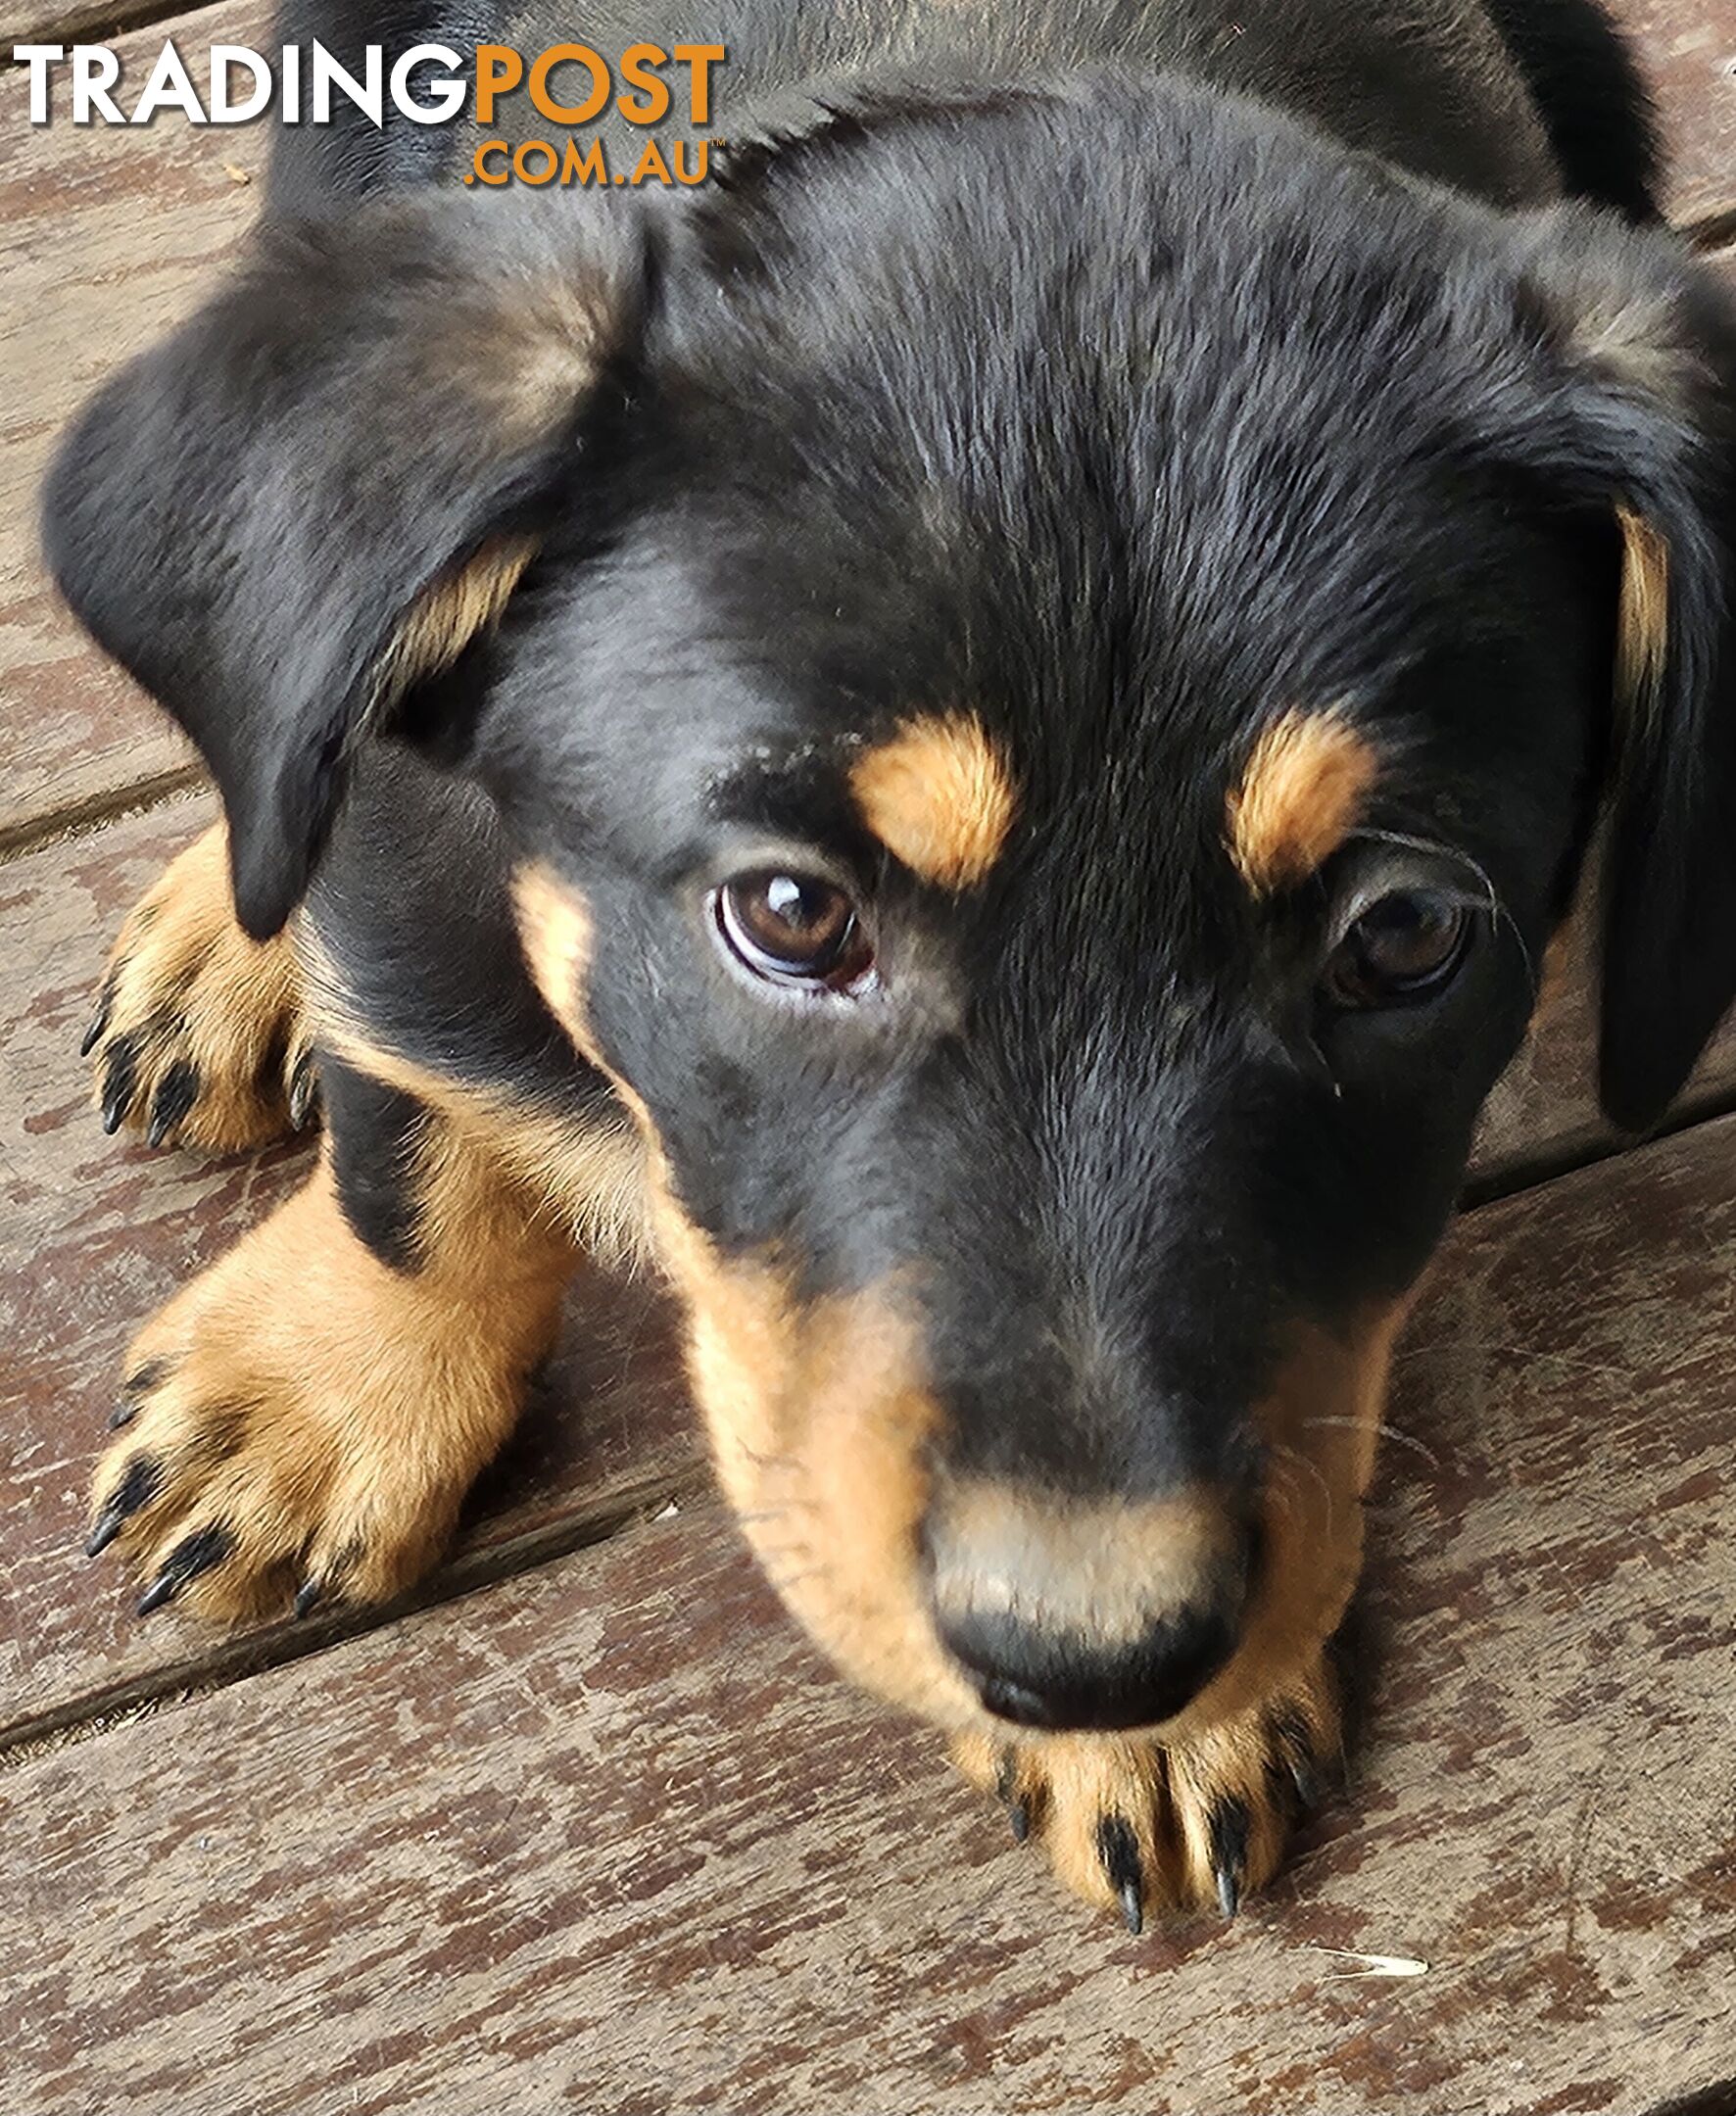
<point x="1380" y="1425"/>
<point x="1314" y="1470"/>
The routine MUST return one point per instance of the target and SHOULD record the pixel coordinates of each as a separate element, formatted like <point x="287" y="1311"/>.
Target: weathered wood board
<point x="106" y="235"/>
<point x="608" y="1838"/>
<point x="1687" y="50"/>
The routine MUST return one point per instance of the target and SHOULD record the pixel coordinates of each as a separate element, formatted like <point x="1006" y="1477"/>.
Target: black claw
<point x="137" y="1488"/>
<point x="1118" y="1850"/>
<point x="1006" y="1790"/>
<point x="174" y="1098"/>
<point x="143" y="1379"/>
<point x="134" y="1389"/>
<point x="1229" y="1852"/>
<point x="303" y="1085"/>
<point x="1293" y="1741"/>
<point x="99" y="1020"/>
<point x="119" y="1081"/>
<point x="307" y="1598"/>
<point x="196" y="1553"/>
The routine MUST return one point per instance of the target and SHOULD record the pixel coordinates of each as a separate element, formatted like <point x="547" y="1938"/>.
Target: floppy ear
<point x="1649" y="432"/>
<point x="318" y="491"/>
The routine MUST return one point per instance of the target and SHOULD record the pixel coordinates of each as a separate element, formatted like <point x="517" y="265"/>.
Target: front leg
<point x="1137" y="1824"/>
<point x="303" y="1419"/>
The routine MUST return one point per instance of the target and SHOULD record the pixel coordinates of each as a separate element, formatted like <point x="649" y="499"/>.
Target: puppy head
<point x="1063" y="686"/>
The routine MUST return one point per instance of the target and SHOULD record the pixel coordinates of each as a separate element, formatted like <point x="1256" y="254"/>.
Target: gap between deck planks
<point x="612" y="1838"/>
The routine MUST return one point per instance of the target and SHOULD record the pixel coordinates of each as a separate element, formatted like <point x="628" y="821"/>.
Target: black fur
<point x="376" y="1132"/>
<point x="1591" y="98"/>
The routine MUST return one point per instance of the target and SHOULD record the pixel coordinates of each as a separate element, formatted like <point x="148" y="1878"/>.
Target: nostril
<point x="1058" y="1678"/>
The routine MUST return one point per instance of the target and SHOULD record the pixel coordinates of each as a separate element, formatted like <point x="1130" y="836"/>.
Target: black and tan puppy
<point x="975" y="729"/>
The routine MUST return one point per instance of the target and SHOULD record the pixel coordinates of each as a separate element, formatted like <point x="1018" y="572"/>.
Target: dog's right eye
<point x="793" y="929"/>
<point x="1402" y="947"/>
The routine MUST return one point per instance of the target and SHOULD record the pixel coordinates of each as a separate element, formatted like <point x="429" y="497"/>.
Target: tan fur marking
<point x="1300" y="796"/>
<point x="448" y="614"/>
<point x="588" y="1172"/>
<point x="1642" y="637"/>
<point x="328" y="1411"/>
<point x="818" y="1421"/>
<point x="555" y="926"/>
<point x="188" y="986"/>
<point x="940" y="797"/>
<point x="1321" y="1424"/>
<point x="817" y="1416"/>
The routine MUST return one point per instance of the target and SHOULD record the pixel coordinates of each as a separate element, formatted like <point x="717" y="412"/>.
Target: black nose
<point x="1052" y="1679"/>
<point x="1070" y="1617"/>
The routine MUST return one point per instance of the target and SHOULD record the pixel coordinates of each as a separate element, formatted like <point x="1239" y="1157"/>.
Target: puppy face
<point x="1048" y="727"/>
<point x="1049" y="811"/>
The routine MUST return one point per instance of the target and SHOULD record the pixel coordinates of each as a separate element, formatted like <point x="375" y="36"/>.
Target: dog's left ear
<point x="290" y="517"/>
<point x="1641" y="425"/>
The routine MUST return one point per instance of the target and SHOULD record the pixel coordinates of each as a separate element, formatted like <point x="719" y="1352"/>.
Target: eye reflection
<point x="793" y="929"/>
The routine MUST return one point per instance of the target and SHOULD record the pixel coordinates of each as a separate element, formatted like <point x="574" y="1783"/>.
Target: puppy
<point x="971" y="735"/>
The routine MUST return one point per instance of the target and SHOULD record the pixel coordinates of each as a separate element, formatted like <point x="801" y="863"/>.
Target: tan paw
<point x="199" y="1034"/>
<point x="302" y="1424"/>
<point x="1138" y="1826"/>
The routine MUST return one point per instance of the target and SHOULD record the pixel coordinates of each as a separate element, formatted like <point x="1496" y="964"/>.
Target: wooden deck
<point x="590" y="1827"/>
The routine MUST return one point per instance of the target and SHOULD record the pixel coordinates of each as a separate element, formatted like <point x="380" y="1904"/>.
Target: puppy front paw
<point x="1140" y="1826"/>
<point x="199" y="1034"/>
<point x="300" y="1423"/>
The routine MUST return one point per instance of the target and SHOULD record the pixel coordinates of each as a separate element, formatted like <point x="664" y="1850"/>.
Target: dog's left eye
<point x="794" y="930"/>
<point x="1400" y="948"/>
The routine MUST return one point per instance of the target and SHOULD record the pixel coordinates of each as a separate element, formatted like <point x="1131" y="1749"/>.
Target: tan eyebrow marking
<point x="939" y="795"/>
<point x="1300" y="795"/>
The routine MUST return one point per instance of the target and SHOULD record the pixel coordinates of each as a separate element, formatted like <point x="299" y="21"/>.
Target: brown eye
<point x="793" y="929"/>
<point x="1399" y="948"/>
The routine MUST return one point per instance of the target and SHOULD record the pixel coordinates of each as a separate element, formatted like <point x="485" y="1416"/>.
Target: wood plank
<point x="96" y="1236"/>
<point x="1543" y="1116"/>
<point x="1687" y="49"/>
<point x="108" y="234"/>
<point x="607" y="1837"/>
<point x="79" y="21"/>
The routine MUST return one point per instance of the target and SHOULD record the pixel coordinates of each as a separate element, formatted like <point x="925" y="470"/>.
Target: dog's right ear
<point x="325" y="484"/>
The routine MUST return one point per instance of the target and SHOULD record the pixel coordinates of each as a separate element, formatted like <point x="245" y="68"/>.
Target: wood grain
<point x="107" y="236"/>
<point x="82" y="21"/>
<point x="1687" y="50"/>
<point x="609" y="1838"/>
